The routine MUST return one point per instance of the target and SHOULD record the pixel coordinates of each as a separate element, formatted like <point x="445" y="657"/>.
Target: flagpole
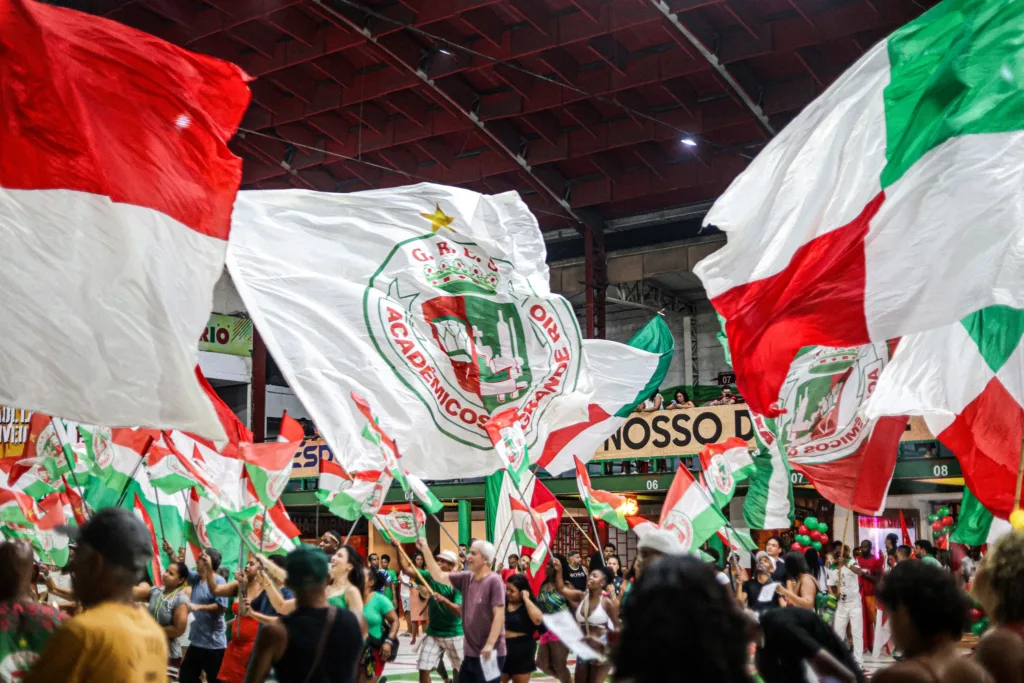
<point x="351" y="531"/>
<point x="131" y="477"/>
<point x="599" y="553"/>
<point x="81" y="494"/>
<point x="1020" y="477"/>
<point x="263" y="529"/>
<point x="589" y="540"/>
<point x="446" y="532"/>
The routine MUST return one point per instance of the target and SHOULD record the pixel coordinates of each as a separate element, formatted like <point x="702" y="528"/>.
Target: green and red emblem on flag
<point x="269" y="465"/>
<point x="689" y="512"/>
<point x="602" y="505"/>
<point x="725" y="465"/>
<point x="18" y="508"/>
<point x="534" y="527"/>
<point x="399" y="523"/>
<point x="506" y="432"/>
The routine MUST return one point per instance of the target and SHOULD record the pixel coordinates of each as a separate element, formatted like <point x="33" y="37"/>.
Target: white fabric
<point x="850" y="613"/>
<point x="433" y="649"/>
<point x="815" y="176"/>
<point x="345" y="289"/>
<point x="104" y="305"/>
<point x="913" y="284"/>
<point x="883" y="635"/>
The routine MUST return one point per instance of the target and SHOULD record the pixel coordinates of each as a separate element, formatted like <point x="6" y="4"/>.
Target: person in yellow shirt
<point x="113" y="640"/>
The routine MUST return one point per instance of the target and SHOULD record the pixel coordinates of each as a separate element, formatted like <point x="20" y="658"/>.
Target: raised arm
<point x="228" y="589"/>
<point x="281" y="604"/>
<point x="571" y="594"/>
<point x="428" y="558"/>
<point x="536" y="616"/>
<point x="140" y="592"/>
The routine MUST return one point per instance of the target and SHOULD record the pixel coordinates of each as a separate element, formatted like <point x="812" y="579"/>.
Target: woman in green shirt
<point x="380" y="645"/>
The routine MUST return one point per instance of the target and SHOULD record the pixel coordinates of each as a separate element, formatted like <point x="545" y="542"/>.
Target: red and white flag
<point x="116" y="193"/>
<point x="269" y="465"/>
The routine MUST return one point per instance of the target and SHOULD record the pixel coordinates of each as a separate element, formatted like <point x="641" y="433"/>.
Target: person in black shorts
<point x="522" y="622"/>
<point x="316" y="643"/>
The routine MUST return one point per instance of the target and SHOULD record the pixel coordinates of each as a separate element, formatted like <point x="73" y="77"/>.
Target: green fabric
<point x="955" y="70"/>
<point x="338" y="601"/>
<point x="974" y="522"/>
<point x="928" y="559"/>
<point x="492" y="499"/>
<point x="442" y="624"/>
<point x="656" y="338"/>
<point x="376" y="607"/>
<point x="997" y="331"/>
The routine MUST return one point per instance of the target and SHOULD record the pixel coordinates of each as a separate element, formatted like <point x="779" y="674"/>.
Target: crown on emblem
<point x="836" y="360"/>
<point x="455" y="277"/>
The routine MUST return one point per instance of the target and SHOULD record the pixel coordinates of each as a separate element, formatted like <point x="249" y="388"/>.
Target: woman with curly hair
<point x="999" y="587"/>
<point x="682" y="626"/>
<point x="927" y="612"/>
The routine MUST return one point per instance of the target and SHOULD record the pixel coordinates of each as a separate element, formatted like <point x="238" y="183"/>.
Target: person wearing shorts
<point x="522" y="622"/>
<point x="444" y="618"/>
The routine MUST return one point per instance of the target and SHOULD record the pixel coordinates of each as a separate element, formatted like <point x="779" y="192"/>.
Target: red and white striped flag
<point x="116" y="192"/>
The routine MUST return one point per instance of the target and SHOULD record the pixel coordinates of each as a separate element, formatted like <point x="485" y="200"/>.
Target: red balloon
<point x="937" y="525"/>
<point x="815" y="535"/>
<point x="796" y="546"/>
<point x="824" y="539"/>
<point x="947" y="521"/>
<point x="976" y="614"/>
<point x="802" y="530"/>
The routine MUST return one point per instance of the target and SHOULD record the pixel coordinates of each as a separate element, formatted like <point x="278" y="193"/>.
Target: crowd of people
<point x="322" y="614"/>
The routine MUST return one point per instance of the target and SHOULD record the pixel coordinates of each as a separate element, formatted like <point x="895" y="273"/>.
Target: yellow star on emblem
<point x="438" y="219"/>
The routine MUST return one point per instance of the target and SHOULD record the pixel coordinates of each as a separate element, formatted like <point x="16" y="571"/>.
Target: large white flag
<point x="433" y="301"/>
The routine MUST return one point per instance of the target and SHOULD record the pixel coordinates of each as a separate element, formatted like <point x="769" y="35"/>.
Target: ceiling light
<point x="689" y="142"/>
<point x="445" y="52"/>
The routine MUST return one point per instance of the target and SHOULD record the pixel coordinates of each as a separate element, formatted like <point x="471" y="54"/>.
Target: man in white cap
<point x="444" y="613"/>
<point x="652" y="545"/>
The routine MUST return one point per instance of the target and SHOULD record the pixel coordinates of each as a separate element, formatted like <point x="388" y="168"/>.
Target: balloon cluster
<point x="942" y="522"/>
<point x="810" y="534"/>
<point x="979" y="622"/>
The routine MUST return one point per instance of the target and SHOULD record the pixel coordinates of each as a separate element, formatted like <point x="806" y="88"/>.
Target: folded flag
<point x="967" y="380"/>
<point x="725" y="465"/>
<point x="534" y="526"/>
<point x="602" y="505"/>
<point x="917" y="139"/>
<point x="123" y="168"/>
<point x="624" y="377"/>
<point x="269" y="465"/>
<point x="509" y="441"/>
<point x="689" y="512"/>
<point x="352" y="496"/>
<point x="399" y="524"/>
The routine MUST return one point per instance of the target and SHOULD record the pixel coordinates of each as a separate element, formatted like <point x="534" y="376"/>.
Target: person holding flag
<point x="483" y="611"/>
<point x="597" y="614"/>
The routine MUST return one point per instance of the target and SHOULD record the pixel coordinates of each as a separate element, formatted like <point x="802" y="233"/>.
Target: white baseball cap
<point x="448" y="556"/>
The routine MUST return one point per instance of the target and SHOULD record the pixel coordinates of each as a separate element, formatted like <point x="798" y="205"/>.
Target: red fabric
<point x="903" y="530"/>
<point x="986" y="439"/>
<point x="817" y="300"/>
<point x="860" y="481"/>
<point x="558" y="439"/>
<point x="236" y="656"/>
<point x="873" y="565"/>
<point x="94" y="106"/>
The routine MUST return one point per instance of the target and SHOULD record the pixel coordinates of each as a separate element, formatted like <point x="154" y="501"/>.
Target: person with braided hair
<point x="999" y="588"/>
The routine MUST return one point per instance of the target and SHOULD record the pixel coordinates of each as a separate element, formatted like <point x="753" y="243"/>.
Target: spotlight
<point x="689" y="142"/>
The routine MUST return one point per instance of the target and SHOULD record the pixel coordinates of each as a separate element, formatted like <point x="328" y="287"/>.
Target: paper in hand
<point x="564" y="625"/>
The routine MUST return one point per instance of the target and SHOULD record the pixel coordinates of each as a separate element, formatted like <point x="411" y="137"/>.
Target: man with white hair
<point x="483" y="610"/>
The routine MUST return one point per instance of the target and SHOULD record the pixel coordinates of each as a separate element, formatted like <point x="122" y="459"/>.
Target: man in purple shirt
<point x="483" y="611"/>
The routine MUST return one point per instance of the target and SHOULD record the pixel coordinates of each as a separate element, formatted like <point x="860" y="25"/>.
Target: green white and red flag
<point x="351" y="496"/>
<point x="641" y="527"/>
<point x="116" y="455"/>
<point x="18" y="508"/>
<point x="171" y="471"/>
<point x="399" y="523"/>
<point x="393" y="458"/>
<point x="689" y="512"/>
<point x="975" y="524"/>
<point x="506" y="432"/>
<point x="726" y="465"/>
<point x="967" y="380"/>
<point x="269" y="465"/>
<point x="849" y="226"/>
<point x="74" y="502"/>
<point x="602" y="505"/>
<point x="534" y="528"/>
<point x="155" y="570"/>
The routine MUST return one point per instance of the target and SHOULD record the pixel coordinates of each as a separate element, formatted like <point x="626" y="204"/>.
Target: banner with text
<point x="685" y="432"/>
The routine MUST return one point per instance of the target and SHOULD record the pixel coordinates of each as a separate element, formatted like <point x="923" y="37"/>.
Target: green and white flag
<point x="509" y="441"/>
<point x="976" y="525"/>
<point x="440" y="304"/>
<point x="726" y="465"/>
<point x="689" y="512"/>
<point x="967" y="380"/>
<point x="397" y="522"/>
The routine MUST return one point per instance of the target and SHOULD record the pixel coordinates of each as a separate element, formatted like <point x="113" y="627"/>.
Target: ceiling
<point x="580" y="105"/>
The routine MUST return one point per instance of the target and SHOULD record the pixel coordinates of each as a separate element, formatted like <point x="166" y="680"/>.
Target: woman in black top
<point x="522" y="622"/>
<point x="300" y="647"/>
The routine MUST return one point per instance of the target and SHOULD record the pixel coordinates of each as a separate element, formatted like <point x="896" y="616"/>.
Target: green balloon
<point x="822" y="527"/>
<point x="980" y="626"/>
<point x="943" y="511"/>
<point x="811" y="523"/>
<point x="803" y="539"/>
<point x="816" y="545"/>
<point x="933" y="517"/>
